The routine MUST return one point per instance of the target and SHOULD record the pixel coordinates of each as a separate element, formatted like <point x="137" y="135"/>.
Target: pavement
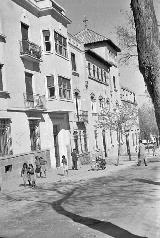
<point x="15" y="182"/>
<point x="120" y="202"/>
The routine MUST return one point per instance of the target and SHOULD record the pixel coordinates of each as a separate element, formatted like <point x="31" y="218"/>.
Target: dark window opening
<point x="73" y="61"/>
<point x="46" y="39"/>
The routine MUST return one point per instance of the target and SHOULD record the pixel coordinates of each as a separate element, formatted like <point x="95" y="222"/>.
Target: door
<point x="24" y="32"/>
<point x="56" y="145"/>
<point x="104" y="143"/>
<point x="29" y="89"/>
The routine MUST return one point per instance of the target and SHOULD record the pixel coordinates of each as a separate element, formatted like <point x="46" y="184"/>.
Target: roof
<point x="88" y="36"/>
<point x="94" y="54"/>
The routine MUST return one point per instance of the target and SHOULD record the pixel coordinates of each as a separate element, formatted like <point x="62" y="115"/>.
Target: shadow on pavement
<point x="147" y="181"/>
<point x="102" y="226"/>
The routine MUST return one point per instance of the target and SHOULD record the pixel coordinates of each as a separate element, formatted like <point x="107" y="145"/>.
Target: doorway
<point x="104" y="143"/>
<point x="56" y="144"/>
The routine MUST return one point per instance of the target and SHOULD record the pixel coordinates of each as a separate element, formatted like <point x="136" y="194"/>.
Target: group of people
<point x="74" y="162"/>
<point x="30" y="173"/>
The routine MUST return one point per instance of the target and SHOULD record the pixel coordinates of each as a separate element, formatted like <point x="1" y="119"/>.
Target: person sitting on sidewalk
<point x="141" y="154"/>
<point x="65" y="166"/>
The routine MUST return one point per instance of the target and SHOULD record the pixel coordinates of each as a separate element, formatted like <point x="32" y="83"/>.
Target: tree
<point x="119" y="119"/>
<point x="147" y="121"/>
<point x="148" y="48"/>
<point x="126" y="34"/>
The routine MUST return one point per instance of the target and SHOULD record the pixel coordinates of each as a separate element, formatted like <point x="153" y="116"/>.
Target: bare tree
<point x="148" y="48"/>
<point x="120" y="119"/>
<point x="126" y="34"/>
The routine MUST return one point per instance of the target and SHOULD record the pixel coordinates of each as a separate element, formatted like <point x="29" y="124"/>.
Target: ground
<point x="123" y="204"/>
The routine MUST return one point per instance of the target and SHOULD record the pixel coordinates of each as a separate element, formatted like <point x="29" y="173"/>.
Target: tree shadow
<point x="147" y="181"/>
<point x="105" y="227"/>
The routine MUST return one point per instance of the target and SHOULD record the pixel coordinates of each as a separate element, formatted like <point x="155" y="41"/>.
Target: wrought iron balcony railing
<point x="30" y="49"/>
<point x="34" y="101"/>
<point x="82" y="116"/>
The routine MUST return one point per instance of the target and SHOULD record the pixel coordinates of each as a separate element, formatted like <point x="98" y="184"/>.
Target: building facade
<point x="132" y="134"/>
<point x="52" y="84"/>
<point x="95" y="86"/>
<point x="35" y="79"/>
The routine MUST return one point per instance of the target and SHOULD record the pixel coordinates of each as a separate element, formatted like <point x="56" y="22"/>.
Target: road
<point x="125" y="204"/>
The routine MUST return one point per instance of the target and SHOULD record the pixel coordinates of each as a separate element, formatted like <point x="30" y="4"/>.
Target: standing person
<point x="43" y="169"/>
<point x="31" y="173"/>
<point x="24" y="173"/>
<point x="141" y="154"/>
<point x="65" y="166"/>
<point x="74" y="159"/>
<point x="38" y="166"/>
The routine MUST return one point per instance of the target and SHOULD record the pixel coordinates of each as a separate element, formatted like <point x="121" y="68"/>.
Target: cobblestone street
<point x="122" y="204"/>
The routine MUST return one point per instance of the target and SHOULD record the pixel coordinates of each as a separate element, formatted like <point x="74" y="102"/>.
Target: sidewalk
<point x="83" y="173"/>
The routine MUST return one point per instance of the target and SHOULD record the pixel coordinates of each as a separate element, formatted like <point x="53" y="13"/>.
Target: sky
<point x="103" y="17"/>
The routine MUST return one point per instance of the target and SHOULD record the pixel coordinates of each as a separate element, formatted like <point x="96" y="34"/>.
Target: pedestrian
<point x="65" y="166"/>
<point x="141" y="154"/>
<point x="24" y="173"/>
<point x="43" y="169"/>
<point x="74" y="159"/>
<point x="31" y="173"/>
<point x="38" y="166"/>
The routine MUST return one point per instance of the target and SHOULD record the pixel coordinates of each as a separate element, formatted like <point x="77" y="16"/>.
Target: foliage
<point x="122" y="118"/>
<point x="147" y="121"/>
<point x="127" y="39"/>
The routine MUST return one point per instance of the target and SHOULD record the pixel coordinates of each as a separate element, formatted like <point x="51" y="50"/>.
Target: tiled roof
<point x="88" y="36"/>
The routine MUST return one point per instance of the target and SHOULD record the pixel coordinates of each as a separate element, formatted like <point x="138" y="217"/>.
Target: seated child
<point x="65" y="166"/>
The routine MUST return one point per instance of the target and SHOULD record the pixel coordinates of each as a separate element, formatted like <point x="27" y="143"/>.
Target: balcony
<point x="34" y="102"/>
<point x="82" y="116"/>
<point x="30" y="51"/>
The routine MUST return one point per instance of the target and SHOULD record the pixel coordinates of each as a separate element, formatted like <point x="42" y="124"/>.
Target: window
<point x="96" y="137"/>
<point x="5" y="137"/>
<point x="29" y="90"/>
<point x="114" y="82"/>
<point x="102" y="74"/>
<point x="46" y="40"/>
<point x="1" y="81"/>
<point x="97" y="73"/>
<point x="94" y="71"/>
<point x="64" y="88"/>
<point x="93" y="104"/>
<point x="60" y="44"/>
<point x="85" y="140"/>
<point x="75" y="136"/>
<point x="105" y="77"/>
<point x="101" y="102"/>
<point x="73" y="61"/>
<point x="50" y="86"/>
<point x="34" y="135"/>
<point x="89" y="69"/>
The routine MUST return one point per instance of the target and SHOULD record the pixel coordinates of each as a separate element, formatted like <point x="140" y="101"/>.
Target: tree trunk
<point x="128" y="147"/>
<point x="148" y="47"/>
<point x="119" y="146"/>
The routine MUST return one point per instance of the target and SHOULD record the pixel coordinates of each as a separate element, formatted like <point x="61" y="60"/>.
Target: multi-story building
<point x="35" y="79"/>
<point x="132" y="134"/>
<point x="52" y="84"/>
<point x="95" y="85"/>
